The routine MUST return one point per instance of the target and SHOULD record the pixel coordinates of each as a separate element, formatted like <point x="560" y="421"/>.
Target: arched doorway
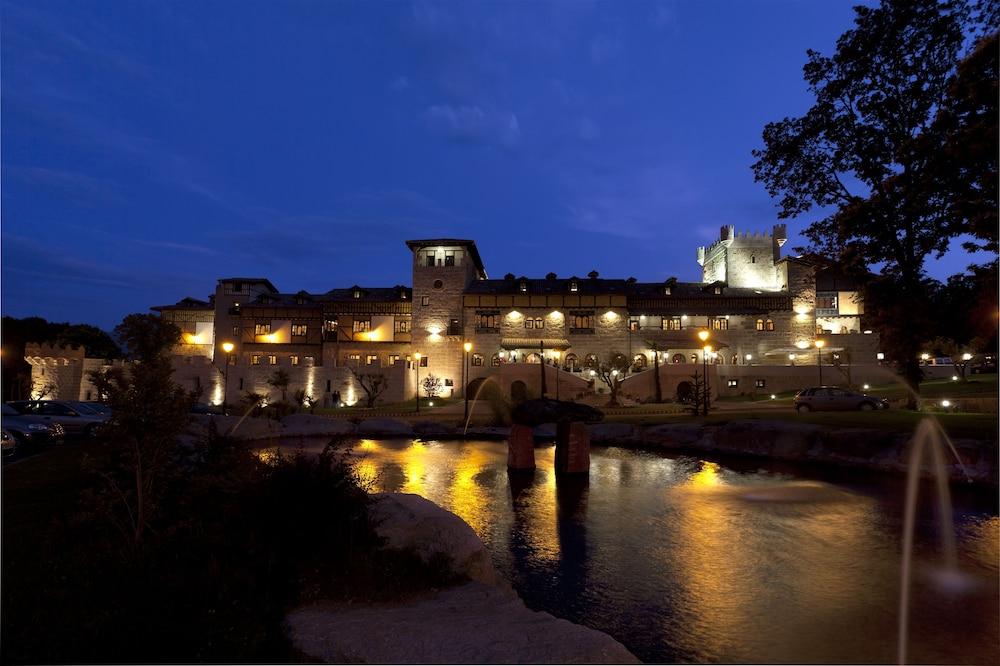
<point x="685" y="392"/>
<point x="639" y="363"/>
<point x="572" y="362"/>
<point x="678" y="358"/>
<point x="473" y="388"/>
<point x="518" y="392"/>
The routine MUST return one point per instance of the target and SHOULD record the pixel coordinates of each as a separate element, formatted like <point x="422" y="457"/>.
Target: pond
<point x="685" y="559"/>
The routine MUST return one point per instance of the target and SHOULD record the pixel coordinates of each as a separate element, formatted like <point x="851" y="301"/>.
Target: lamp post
<point x="465" y="378"/>
<point x="556" y="354"/>
<point x="819" y="359"/>
<point x="416" y="369"/>
<point x="228" y="348"/>
<point x="706" y="350"/>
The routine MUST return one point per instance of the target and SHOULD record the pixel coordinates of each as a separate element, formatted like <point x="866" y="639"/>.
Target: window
<point x="573" y="286"/>
<point x="393" y="359"/>
<point x="262" y="329"/>
<point x="299" y="329"/>
<point x="328" y="386"/>
<point x="362" y="325"/>
<point x="232" y="359"/>
<point x="769" y="325"/>
<point x="760" y="324"/>
<point x="331" y="324"/>
<point x="454" y="327"/>
<point x="671" y="323"/>
<point x="583" y="322"/>
<point x="477" y="360"/>
<point x="371" y="359"/>
<point x="633" y="324"/>
<point x="720" y="324"/>
<point x="354" y="359"/>
<point x="666" y="291"/>
<point x="423" y="361"/>
<point x="254" y="359"/>
<point x="487" y="321"/>
<point x="237" y="331"/>
<point x="272" y="359"/>
<point x="694" y="358"/>
<point x="753" y="259"/>
<point x="524" y="285"/>
<point x="759" y="383"/>
<point x="536" y="322"/>
<point x="425" y="300"/>
<point x="732" y="383"/>
<point x="429" y="259"/>
<point x="401" y="326"/>
<point x="449" y="382"/>
<point x="295" y="359"/>
<point x="357" y="293"/>
<point x="495" y="360"/>
<point x="310" y="361"/>
<point x="826" y="301"/>
<point x="449" y="257"/>
<point x="438" y="284"/>
<point x="241" y="383"/>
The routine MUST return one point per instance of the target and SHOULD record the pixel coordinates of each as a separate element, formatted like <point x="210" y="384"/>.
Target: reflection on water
<point x="692" y="560"/>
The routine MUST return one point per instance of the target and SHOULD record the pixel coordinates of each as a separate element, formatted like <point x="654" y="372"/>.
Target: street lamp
<point x="416" y="369"/>
<point x="703" y="336"/>
<point x="556" y="355"/>
<point x="228" y="348"/>
<point x="465" y="378"/>
<point x="748" y="357"/>
<point x="819" y="359"/>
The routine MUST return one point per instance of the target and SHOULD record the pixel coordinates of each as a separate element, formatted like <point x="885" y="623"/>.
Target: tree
<point x="959" y="354"/>
<point x="305" y="401"/>
<point x="374" y="384"/>
<point x="657" y="387"/>
<point x="149" y="412"/>
<point x="854" y="155"/>
<point x="610" y="372"/>
<point x="105" y="380"/>
<point x="431" y="386"/>
<point x="280" y="380"/>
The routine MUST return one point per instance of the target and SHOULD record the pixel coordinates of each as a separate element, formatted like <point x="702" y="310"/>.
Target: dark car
<point x="98" y="407"/>
<point x="203" y="408"/>
<point x="29" y="430"/>
<point x="74" y="420"/>
<point x="836" y="399"/>
<point x="8" y="445"/>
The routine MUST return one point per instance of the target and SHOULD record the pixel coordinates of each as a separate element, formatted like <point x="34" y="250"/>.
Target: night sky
<point x="149" y="148"/>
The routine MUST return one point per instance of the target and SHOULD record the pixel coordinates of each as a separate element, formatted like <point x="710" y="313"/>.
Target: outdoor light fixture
<point x="866" y="387"/>
<point x="802" y="344"/>
<point x="946" y="403"/>
<point x="880" y="356"/>
<point x="748" y="356"/>
<point x="791" y="357"/>
<point x="924" y="357"/>
<point x="966" y="356"/>
<point x="773" y="396"/>
<point x="703" y="335"/>
<point x="467" y="346"/>
<point x="228" y="347"/>
<point x="819" y="344"/>
<point x="954" y="378"/>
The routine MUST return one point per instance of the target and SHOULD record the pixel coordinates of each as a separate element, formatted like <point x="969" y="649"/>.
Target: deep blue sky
<point x="149" y="148"/>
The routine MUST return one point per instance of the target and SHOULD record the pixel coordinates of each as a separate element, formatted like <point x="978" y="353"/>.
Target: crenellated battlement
<point x="49" y="350"/>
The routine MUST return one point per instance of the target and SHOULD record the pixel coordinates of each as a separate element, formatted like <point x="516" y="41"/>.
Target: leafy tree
<point x="105" y="379"/>
<point x="305" y="401"/>
<point x="374" y="384"/>
<point x="149" y="412"/>
<point x="854" y="156"/>
<point x="280" y="380"/>
<point x="611" y="373"/>
<point x="431" y="385"/>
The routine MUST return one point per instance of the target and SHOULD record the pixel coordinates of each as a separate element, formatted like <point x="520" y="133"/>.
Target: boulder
<point x="310" y="425"/>
<point x="428" y="429"/>
<point x="384" y="427"/>
<point x="469" y="624"/>
<point x="674" y="435"/>
<point x="410" y="522"/>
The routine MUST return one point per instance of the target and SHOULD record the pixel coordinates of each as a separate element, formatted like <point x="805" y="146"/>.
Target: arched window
<point x="694" y="358"/>
<point x="760" y="324"/>
<point x="735" y="359"/>
<point x="572" y="362"/>
<point x="677" y="358"/>
<point x="495" y="361"/>
<point x="769" y="325"/>
<point x="477" y="360"/>
<point x="753" y="259"/>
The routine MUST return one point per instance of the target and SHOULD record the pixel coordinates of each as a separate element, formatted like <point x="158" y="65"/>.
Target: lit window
<point x="272" y="359"/>
<point x="310" y="361"/>
<point x="295" y="360"/>
<point x="401" y="326"/>
<point x="583" y="322"/>
<point x="495" y="361"/>
<point x="718" y="290"/>
<point x="357" y="293"/>
<point x="393" y="359"/>
<point x="423" y="361"/>
<point x="362" y="325"/>
<point x="720" y="324"/>
<point x="769" y="325"/>
<point x="354" y="359"/>
<point x="371" y="359"/>
<point x="262" y="329"/>
<point x="331" y="324"/>
<point x="425" y="300"/>
<point x="732" y="383"/>
<point x="237" y="331"/>
<point x="573" y="286"/>
<point x="477" y="360"/>
<point x="760" y="324"/>
<point x="671" y="323"/>
<point x="255" y="359"/>
<point x="299" y="329"/>
<point x="524" y="285"/>
<point x="487" y="321"/>
<point x="759" y="383"/>
<point x="633" y="324"/>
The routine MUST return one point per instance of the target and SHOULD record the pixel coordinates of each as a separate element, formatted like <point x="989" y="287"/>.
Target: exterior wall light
<point x="866" y="386"/>
<point x="880" y="356"/>
<point x="946" y="403"/>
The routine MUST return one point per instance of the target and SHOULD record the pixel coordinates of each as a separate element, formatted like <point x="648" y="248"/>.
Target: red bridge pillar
<point x="521" y="447"/>
<point x="572" y="448"/>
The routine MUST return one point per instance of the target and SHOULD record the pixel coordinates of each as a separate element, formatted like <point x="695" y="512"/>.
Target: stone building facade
<point x="760" y="309"/>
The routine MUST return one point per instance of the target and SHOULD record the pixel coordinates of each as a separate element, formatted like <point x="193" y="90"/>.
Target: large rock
<point x="778" y="439"/>
<point x="674" y="435"/>
<point x="611" y="434"/>
<point x="410" y="522"/>
<point x="470" y="624"/>
<point x="310" y="425"/>
<point x="383" y="427"/>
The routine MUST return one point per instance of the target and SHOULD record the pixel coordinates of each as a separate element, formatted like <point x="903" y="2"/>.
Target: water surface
<point x="685" y="559"/>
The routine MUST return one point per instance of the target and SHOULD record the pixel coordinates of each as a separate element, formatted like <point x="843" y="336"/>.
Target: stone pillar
<point x="572" y="448"/>
<point x="521" y="447"/>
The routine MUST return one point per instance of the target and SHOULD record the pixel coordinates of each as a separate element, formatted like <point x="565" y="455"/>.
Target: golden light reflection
<point x="708" y="475"/>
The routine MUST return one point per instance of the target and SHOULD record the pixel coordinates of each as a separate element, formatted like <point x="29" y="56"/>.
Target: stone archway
<point x="685" y="392"/>
<point x="678" y="358"/>
<point x="518" y="392"/>
<point x="473" y="386"/>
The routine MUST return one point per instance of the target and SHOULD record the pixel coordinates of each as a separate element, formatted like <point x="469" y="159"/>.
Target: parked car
<point x="98" y="407"/>
<point x="8" y="445"/>
<point x="71" y="418"/>
<point x="983" y="364"/>
<point x="835" y="399"/>
<point x="29" y="430"/>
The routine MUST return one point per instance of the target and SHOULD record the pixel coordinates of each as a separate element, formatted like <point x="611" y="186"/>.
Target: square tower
<point x="442" y="270"/>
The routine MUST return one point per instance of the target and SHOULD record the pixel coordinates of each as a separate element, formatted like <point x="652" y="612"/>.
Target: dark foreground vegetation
<point x="140" y="547"/>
